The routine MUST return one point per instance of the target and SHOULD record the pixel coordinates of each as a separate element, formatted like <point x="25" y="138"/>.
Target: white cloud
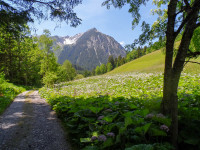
<point x="122" y="43"/>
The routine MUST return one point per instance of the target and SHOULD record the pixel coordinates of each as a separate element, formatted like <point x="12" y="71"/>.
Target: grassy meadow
<point x="152" y="63"/>
<point x="122" y="111"/>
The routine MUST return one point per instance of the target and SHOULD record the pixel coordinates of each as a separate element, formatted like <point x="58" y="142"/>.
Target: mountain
<point x="88" y="49"/>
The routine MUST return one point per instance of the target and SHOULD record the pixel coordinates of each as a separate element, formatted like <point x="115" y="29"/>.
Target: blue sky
<point x="114" y="22"/>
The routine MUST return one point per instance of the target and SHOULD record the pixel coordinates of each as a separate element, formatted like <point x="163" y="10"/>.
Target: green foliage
<point x="111" y="60"/>
<point x="48" y="61"/>
<point x="51" y="71"/>
<point x="97" y="70"/>
<point x="49" y="79"/>
<point x="19" y="56"/>
<point x="8" y="91"/>
<point x="141" y="147"/>
<point x="29" y="60"/>
<point x="61" y="10"/>
<point x="195" y="43"/>
<point x="189" y="118"/>
<point x="156" y="146"/>
<point x="79" y="76"/>
<point x="118" y="104"/>
<point x="109" y="67"/>
<point x="70" y="71"/>
<point x="103" y="68"/>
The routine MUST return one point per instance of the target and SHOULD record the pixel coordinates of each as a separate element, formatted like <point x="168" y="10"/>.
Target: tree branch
<point x="193" y="62"/>
<point x="187" y="4"/>
<point x="193" y="54"/>
<point x="195" y="8"/>
<point x="186" y="8"/>
<point x="45" y="3"/>
<point x="180" y="11"/>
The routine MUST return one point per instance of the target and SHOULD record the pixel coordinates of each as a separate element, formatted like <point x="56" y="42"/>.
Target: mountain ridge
<point x="88" y="49"/>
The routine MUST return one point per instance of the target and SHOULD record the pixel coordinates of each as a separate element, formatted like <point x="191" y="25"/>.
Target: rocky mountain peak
<point x="88" y="49"/>
<point x="92" y="30"/>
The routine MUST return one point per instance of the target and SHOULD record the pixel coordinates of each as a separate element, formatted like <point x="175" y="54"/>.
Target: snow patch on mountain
<point x="72" y="40"/>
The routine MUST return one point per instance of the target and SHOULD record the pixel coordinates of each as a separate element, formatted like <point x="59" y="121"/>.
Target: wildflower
<point x="117" y="103"/>
<point x="102" y="138"/>
<point x="160" y="115"/>
<point x="100" y="117"/>
<point x="108" y="110"/>
<point x="103" y="122"/>
<point x="164" y="128"/>
<point x="150" y="116"/>
<point x="93" y="138"/>
<point x="111" y="134"/>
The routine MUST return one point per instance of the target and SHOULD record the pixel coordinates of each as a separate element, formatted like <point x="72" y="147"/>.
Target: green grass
<point x="8" y="92"/>
<point x="151" y="63"/>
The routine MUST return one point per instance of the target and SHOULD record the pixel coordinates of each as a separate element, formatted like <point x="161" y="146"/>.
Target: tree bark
<point x="168" y="74"/>
<point x="173" y="72"/>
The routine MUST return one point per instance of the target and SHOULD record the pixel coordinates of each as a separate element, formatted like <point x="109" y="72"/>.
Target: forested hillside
<point x="28" y="60"/>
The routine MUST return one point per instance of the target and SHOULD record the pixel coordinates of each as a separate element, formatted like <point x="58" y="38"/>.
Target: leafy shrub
<point x="79" y="76"/>
<point x="49" y="79"/>
<point x="8" y="91"/>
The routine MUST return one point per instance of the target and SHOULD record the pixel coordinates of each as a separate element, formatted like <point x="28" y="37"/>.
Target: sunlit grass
<point x="153" y="62"/>
<point x="8" y="91"/>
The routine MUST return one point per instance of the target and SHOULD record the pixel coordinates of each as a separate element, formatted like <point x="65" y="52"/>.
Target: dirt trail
<point x="30" y="124"/>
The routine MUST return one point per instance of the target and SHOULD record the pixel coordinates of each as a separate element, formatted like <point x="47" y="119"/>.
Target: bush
<point x="49" y="79"/>
<point x="8" y="91"/>
<point x="79" y="76"/>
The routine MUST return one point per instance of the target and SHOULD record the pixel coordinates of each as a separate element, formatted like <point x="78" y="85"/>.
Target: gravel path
<point x="29" y="124"/>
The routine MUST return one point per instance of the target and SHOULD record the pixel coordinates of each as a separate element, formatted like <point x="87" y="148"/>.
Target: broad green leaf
<point x="95" y="133"/>
<point x="143" y="129"/>
<point x="90" y="148"/>
<point x="85" y="140"/>
<point x="132" y="106"/>
<point x="128" y="121"/>
<point x="95" y="109"/>
<point x="109" y="142"/>
<point x="110" y="118"/>
<point x="141" y="147"/>
<point x="157" y="132"/>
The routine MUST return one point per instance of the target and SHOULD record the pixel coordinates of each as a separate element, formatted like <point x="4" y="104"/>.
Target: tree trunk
<point x="172" y="73"/>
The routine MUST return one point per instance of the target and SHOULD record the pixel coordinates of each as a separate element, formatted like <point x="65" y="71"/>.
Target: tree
<point x="19" y="55"/>
<point x="97" y="71"/>
<point x="181" y="17"/>
<point x="111" y="60"/>
<point x="26" y="9"/>
<point x="70" y="70"/>
<point x="50" y="79"/>
<point x="109" y="67"/>
<point x="103" y="68"/>
<point x="48" y="63"/>
<point x="87" y="73"/>
<point x="139" y="52"/>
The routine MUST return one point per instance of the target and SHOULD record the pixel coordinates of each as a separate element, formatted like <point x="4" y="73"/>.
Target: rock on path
<point x="30" y="124"/>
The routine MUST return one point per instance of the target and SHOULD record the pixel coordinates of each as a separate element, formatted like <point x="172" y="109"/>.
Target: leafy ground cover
<point x="8" y="91"/>
<point x="122" y="111"/>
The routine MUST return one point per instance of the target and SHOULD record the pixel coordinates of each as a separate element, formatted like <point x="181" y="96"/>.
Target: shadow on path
<point x="29" y="123"/>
